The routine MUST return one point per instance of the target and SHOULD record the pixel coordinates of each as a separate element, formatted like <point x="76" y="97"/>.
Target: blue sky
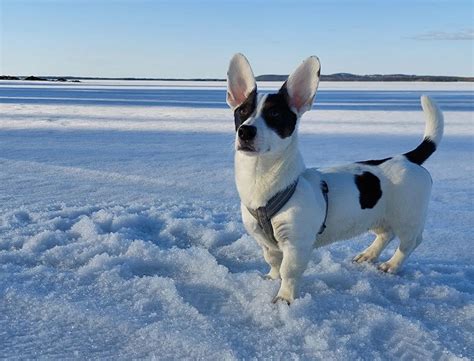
<point x="197" y="38"/>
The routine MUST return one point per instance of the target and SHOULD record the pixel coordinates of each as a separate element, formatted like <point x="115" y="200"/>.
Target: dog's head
<point x="267" y="124"/>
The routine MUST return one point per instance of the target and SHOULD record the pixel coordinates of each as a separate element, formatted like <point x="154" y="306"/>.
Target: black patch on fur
<point x="277" y="113"/>
<point x="374" y="161"/>
<point x="246" y="109"/>
<point x="422" y="152"/>
<point x="369" y="189"/>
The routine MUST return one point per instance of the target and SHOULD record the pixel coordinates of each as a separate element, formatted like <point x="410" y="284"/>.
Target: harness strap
<point x="325" y="190"/>
<point x="264" y="214"/>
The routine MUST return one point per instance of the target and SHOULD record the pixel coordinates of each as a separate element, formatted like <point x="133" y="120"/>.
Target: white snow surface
<point x="121" y="238"/>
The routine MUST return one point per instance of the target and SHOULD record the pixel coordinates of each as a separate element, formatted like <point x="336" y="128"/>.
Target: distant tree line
<point x="266" y="77"/>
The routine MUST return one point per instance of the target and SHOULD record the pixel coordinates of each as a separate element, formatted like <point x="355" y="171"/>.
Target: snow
<point x="121" y="237"/>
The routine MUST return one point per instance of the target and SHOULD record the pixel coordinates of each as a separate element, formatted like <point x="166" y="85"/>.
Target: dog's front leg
<point x="271" y="252"/>
<point x="273" y="258"/>
<point x="295" y="260"/>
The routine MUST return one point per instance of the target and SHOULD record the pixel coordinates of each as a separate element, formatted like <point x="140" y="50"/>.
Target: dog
<point x="290" y="209"/>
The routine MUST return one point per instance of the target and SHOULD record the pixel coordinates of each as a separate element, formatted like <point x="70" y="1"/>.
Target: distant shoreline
<point x="343" y="77"/>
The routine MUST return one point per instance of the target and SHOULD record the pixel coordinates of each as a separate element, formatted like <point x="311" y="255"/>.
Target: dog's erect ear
<point x="302" y="85"/>
<point x="240" y="81"/>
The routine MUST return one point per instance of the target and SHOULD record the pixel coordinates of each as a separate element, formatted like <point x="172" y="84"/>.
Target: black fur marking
<point x="374" y="161"/>
<point x="422" y="152"/>
<point x="277" y="113"/>
<point x="246" y="109"/>
<point x="369" y="189"/>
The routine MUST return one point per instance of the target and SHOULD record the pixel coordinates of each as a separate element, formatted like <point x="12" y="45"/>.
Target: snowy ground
<point x="120" y="232"/>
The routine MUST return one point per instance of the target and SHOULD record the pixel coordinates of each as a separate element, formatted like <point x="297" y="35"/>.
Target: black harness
<point x="264" y="214"/>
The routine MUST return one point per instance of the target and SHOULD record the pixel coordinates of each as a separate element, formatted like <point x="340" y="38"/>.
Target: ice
<point x="121" y="237"/>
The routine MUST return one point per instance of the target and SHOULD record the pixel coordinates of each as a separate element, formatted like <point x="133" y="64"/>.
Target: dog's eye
<point x="243" y="112"/>
<point x="274" y="113"/>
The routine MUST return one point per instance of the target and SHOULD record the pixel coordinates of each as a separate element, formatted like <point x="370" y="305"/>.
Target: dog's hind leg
<point x="372" y="253"/>
<point x="406" y="247"/>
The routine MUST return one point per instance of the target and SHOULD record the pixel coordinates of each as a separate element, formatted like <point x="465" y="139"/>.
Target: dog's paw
<point x="268" y="277"/>
<point x="369" y="255"/>
<point x="366" y="256"/>
<point x="388" y="267"/>
<point x="274" y="274"/>
<point x="280" y="298"/>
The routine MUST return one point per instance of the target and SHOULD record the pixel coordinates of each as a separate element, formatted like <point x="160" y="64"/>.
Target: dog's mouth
<point x="246" y="148"/>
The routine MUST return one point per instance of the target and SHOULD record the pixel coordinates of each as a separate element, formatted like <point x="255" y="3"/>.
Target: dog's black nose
<point x="247" y="132"/>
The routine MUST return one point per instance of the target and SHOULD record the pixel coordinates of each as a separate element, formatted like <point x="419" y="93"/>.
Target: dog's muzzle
<point x="247" y="132"/>
<point x="246" y="135"/>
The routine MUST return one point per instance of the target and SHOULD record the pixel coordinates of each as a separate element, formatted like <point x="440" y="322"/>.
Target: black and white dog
<point x="290" y="209"/>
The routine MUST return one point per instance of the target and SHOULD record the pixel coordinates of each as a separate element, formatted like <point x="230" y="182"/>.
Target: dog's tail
<point x="433" y="132"/>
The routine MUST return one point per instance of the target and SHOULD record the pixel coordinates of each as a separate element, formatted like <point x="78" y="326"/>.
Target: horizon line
<point x="131" y="78"/>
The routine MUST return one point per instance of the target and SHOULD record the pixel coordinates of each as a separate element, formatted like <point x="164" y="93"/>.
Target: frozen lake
<point x="121" y="237"/>
<point x="156" y="95"/>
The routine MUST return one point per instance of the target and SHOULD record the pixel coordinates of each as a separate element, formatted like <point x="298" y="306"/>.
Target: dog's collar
<point x="264" y="214"/>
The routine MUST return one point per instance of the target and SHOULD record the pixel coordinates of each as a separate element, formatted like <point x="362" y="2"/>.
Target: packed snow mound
<point x="186" y="282"/>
